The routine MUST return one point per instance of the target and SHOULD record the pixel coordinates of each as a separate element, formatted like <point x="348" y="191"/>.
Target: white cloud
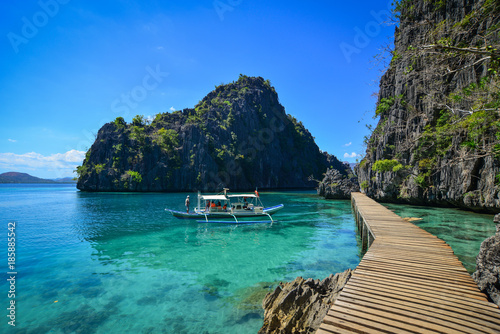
<point x="172" y="109"/>
<point x="62" y="164"/>
<point x="348" y="144"/>
<point x="12" y="140"/>
<point x="352" y="155"/>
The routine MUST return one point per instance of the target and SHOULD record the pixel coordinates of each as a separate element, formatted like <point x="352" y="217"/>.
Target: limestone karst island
<point x="254" y="205"/>
<point x="238" y="137"/>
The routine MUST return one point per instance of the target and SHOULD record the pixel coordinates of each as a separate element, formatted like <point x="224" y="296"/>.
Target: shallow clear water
<point x="462" y="230"/>
<point x="119" y="263"/>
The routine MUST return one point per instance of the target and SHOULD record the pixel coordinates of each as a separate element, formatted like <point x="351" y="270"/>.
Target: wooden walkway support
<point x="409" y="281"/>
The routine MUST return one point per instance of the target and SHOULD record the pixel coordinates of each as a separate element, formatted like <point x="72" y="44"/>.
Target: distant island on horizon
<point x="16" y="177"/>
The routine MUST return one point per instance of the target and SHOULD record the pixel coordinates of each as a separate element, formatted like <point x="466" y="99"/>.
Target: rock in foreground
<point x="300" y="306"/>
<point x="487" y="275"/>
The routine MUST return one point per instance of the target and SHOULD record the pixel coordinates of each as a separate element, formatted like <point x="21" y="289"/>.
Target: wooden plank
<point x="432" y="290"/>
<point x="329" y="329"/>
<point x="446" y="292"/>
<point x="405" y="261"/>
<point x="478" y="316"/>
<point x="358" y="324"/>
<point x="391" y="245"/>
<point x="363" y="317"/>
<point x="445" y="267"/>
<point x="419" y="271"/>
<point x="396" y="258"/>
<point x="401" y="253"/>
<point x="459" y="308"/>
<point x="423" y="322"/>
<point x="467" y="321"/>
<point x="449" y="284"/>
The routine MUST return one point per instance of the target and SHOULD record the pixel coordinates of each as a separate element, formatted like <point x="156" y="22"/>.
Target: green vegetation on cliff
<point x="439" y="108"/>
<point x="238" y="136"/>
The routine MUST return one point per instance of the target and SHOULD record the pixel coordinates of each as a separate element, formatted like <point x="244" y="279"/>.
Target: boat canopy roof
<point x="242" y="195"/>
<point x="214" y="197"/>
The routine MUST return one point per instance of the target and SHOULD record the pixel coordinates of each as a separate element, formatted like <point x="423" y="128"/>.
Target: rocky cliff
<point x="487" y="274"/>
<point x="437" y="141"/>
<point x="238" y="136"/>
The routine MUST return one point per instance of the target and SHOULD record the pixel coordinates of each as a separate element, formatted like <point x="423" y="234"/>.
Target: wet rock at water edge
<point x="300" y="306"/>
<point x="487" y="275"/>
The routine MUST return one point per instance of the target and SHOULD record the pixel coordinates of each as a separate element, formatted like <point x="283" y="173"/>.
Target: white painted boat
<point x="229" y="208"/>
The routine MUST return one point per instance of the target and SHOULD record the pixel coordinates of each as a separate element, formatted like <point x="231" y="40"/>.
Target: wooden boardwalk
<point x="409" y="281"/>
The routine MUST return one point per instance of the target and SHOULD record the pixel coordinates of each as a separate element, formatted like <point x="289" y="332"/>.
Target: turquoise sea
<point x="119" y="263"/>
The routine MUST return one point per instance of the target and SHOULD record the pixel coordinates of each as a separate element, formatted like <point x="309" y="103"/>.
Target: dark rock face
<point x="338" y="186"/>
<point x="300" y="306"/>
<point x="238" y="136"/>
<point x="439" y="109"/>
<point x="487" y="275"/>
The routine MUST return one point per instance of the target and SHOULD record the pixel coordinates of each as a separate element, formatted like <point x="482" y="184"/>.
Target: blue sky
<point x="69" y="66"/>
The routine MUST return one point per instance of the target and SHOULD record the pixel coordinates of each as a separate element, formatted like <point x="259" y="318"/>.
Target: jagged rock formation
<point x="437" y="141"/>
<point x="238" y="136"/>
<point x="487" y="274"/>
<point x="300" y="306"/>
<point x="336" y="185"/>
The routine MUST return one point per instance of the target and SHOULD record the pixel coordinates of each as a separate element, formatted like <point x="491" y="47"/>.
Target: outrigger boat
<point x="229" y="208"/>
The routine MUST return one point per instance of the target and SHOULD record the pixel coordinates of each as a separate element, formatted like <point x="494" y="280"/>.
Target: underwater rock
<point x="412" y="219"/>
<point x="300" y="306"/>
<point x="487" y="275"/>
<point x="249" y="299"/>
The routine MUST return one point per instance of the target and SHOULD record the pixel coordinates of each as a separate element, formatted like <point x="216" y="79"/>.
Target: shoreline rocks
<point x="487" y="274"/>
<point x="300" y="306"/>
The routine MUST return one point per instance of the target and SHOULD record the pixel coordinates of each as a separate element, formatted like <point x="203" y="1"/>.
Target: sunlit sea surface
<point x="119" y="263"/>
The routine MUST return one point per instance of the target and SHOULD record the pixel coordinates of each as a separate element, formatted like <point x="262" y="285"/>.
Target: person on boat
<point x="187" y="204"/>
<point x="218" y="204"/>
<point x="212" y="205"/>
<point x="245" y="205"/>
<point x="224" y="207"/>
<point x="208" y="206"/>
